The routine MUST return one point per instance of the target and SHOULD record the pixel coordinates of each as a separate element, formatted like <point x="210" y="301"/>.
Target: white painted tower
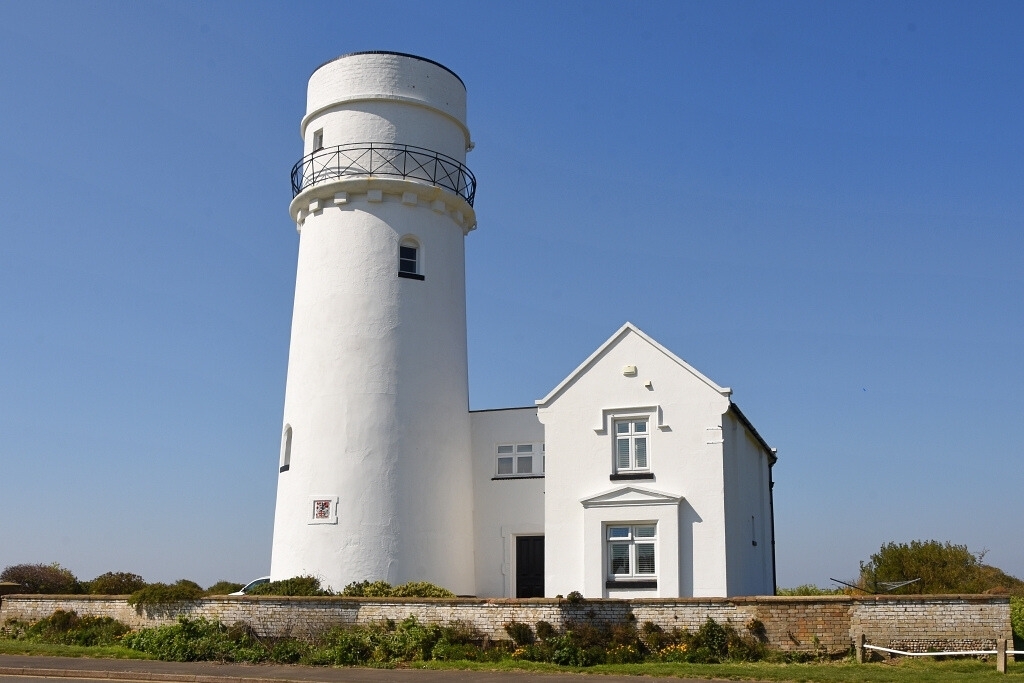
<point x="375" y="478"/>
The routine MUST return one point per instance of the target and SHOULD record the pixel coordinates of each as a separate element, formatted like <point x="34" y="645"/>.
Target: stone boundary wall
<point x="790" y="623"/>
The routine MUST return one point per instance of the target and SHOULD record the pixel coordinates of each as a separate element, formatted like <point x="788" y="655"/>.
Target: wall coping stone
<point x="973" y="598"/>
<point x="751" y="599"/>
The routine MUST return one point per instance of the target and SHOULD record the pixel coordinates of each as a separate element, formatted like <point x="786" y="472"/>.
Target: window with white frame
<point x="631" y="551"/>
<point x="410" y="259"/>
<point x="631" y="445"/>
<point x="520" y="459"/>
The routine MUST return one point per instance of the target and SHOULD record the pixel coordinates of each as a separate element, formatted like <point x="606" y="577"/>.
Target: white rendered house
<point x="634" y="477"/>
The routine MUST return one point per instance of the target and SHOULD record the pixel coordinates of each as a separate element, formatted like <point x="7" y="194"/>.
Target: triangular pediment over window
<point x="630" y="495"/>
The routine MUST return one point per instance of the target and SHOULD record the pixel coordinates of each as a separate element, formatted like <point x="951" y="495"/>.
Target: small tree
<point x="297" y="586"/>
<point x="941" y="568"/>
<point x="116" y="583"/>
<point x="224" y="588"/>
<point x="42" y="578"/>
<point x="161" y="595"/>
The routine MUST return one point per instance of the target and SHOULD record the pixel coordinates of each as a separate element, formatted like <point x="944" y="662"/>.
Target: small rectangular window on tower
<point x="318" y="140"/>
<point x="409" y="261"/>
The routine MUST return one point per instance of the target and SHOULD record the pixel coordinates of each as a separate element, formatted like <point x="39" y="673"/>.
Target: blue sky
<point x="817" y="204"/>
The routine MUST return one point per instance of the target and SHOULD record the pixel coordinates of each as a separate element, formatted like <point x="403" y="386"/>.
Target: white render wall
<point x="352" y="98"/>
<point x="377" y="393"/>
<point x="504" y="507"/>
<point x="748" y="511"/>
<point x="685" y="411"/>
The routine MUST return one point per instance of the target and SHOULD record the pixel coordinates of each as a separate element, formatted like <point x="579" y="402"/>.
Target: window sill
<point x="284" y="468"/>
<point x="626" y="476"/>
<point x="631" y="584"/>
<point x="411" y="276"/>
<point x="518" y="476"/>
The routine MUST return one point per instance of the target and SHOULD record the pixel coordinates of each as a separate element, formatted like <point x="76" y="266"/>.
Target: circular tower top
<point x="389" y="76"/>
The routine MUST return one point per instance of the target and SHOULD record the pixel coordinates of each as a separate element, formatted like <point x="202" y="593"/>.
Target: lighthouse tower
<point x="375" y="472"/>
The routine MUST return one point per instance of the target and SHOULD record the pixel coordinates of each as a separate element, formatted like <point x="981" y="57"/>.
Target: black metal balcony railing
<point x="383" y="159"/>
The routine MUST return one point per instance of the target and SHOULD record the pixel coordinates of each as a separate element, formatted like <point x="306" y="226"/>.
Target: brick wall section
<point x="958" y="622"/>
<point x="790" y="623"/>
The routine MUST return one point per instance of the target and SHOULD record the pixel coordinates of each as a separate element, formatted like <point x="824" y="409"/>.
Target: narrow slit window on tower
<point x="318" y="140"/>
<point x="286" y="449"/>
<point x="409" y="260"/>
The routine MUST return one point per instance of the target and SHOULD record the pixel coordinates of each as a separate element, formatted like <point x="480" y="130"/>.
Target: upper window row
<point x="520" y="459"/>
<point x="631" y="445"/>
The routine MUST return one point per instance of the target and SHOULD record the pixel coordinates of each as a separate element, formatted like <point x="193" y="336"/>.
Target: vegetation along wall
<point x="787" y="623"/>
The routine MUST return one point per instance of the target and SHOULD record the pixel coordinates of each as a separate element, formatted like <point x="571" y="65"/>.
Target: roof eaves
<point x="735" y="410"/>
<point x="628" y="327"/>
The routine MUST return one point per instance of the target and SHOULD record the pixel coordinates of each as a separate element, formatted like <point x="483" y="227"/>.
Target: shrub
<point x="162" y="595"/>
<point x="713" y="638"/>
<point x="624" y="654"/>
<point x="941" y="568"/>
<point x="193" y="640"/>
<point x="116" y="583"/>
<point x="574" y="598"/>
<point x="295" y="586"/>
<point x="344" y="647"/>
<point x="388" y="643"/>
<point x="461" y="633"/>
<point x="545" y="630"/>
<point x="674" y="652"/>
<point x="625" y="634"/>
<point x="520" y="633"/>
<point x="67" y="628"/>
<point x="224" y="588"/>
<point x="383" y="644"/>
<point x="537" y="652"/>
<point x="446" y="651"/>
<point x="756" y="628"/>
<point x="367" y="589"/>
<point x="713" y="643"/>
<point x="571" y="650"/>
<point x="1017" y="621"/>
<point x="654" y="636"/>
<point x="287" y="651"/>
<point x="383" y="589"/>
<point x="413" y="641"/>
<point x="42" y="578"/>
<point x="421" y="589"/>
<point x="808" y="589"/>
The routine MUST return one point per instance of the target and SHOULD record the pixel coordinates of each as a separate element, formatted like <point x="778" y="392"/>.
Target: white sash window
<point x="631" y="551"/>
<point x="631" y="445"/>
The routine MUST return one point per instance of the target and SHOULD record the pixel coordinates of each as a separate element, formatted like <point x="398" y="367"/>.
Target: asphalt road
<point x="23" y="669"/>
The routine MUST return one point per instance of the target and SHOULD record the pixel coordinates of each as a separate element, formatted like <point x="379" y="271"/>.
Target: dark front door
<point x="529" y="566"/>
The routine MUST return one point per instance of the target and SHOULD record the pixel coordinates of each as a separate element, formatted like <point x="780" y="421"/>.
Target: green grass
<point x="25" y="647"/>
<point x="897" y="671"/>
